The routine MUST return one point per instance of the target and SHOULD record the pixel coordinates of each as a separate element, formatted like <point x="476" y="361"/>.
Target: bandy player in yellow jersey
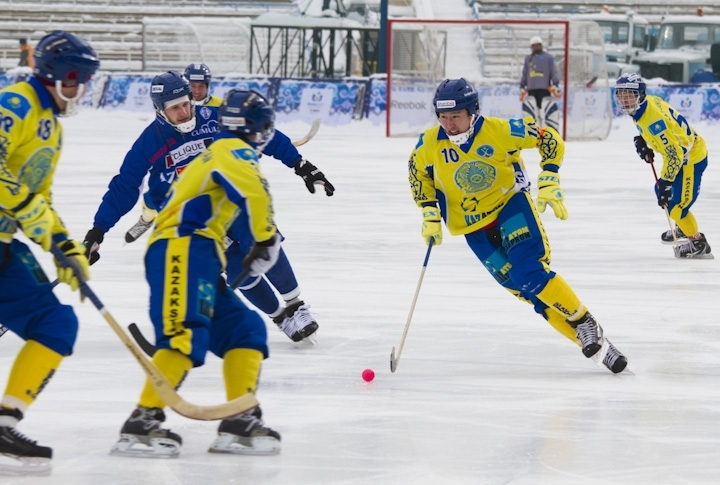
<point x="192" y="309"/>
<point x="685" y="157"/>
<point x="31" y="139"/>
<point x="468" y="171"/>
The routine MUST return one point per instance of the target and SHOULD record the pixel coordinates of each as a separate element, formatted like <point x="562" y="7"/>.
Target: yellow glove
<point x="79" y="269"/>
<point x="431" y="228"/>
<point x="36" y="220"/>
<point x="550" y="193"/>
<point x="523" y="94"/>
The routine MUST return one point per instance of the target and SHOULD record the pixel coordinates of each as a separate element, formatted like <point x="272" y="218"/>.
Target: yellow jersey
<point x="666" y="131"/>
<point x="214" y="189"/>
<point x="30" y="146"/>
<point x="473" y="182"/>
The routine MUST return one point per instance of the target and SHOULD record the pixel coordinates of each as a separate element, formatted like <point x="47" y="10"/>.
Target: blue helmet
<point x="65" y="57"/>
<point x="630" y="92"/>
<point x="247" y="113"/>
<point x="198" y="73"/>
<point x="454" y="95"/>
<point x="168" y="86"/>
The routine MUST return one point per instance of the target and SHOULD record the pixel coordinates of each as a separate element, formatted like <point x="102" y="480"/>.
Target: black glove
<point x="642" y="149"/>
<point x="311" y="175"/>
<point x="664" y="193"/>
<point x="92" y="242"/>
<point x="262" y="256"/>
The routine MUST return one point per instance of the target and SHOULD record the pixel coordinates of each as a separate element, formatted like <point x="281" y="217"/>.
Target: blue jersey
<point x="163" y="152"/>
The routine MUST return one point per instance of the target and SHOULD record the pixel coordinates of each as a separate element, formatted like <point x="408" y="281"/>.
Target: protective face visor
<point x="628" y="100"/>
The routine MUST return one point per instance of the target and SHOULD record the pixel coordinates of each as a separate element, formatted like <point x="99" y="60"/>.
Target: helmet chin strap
<point x="202" y="102"/>
<point x="462" y="138"/>
<point x="186" y="127"/>
<point x="266" y="139"/>
<point x="71" y="104"/>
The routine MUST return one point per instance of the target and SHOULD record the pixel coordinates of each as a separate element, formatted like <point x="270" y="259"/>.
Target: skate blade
<point x="129" y="445"/>
<point x="14" y="465"/>
<point x="600" y="356"/>
<point x="259" y="445"/>
<point x="701" y="256"/>
<point x="311" y="340"/>
<point x="680" y="240"/>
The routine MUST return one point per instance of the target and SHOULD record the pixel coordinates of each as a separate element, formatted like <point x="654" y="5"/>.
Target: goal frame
<point x="565" y="24"/>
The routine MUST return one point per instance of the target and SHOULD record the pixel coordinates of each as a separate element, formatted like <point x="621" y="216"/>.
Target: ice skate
<point x="694" y="249"/>
<point x="667" y="236"/>
<point x="298" y="323"/>
<point x="246" y="434"/>
<point x="140" y="228"/>
<point x="596" y="346"/>
<point x="588" y="333"/>
<point x="21" y="456"/>
<point x="142" y="436"/>
<point x="610" y="357"/>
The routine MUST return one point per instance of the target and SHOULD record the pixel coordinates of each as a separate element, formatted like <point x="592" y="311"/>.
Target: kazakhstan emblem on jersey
<point x="35" y="170"/>
<point x="475" y="176"/>
<point x="244" y="154"/>
<point x="657" y="127"/>
<point x="16" y="104"/>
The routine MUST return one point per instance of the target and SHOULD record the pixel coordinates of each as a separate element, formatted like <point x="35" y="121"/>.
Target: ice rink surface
<point x="485" y="392"/>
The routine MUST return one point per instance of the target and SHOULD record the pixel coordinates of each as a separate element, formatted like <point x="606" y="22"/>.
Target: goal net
<point x="491" y="54"/>
<point x="175" y="42"/>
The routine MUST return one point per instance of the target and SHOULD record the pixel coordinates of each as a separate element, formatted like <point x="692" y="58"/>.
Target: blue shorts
<point x="191" y="308"/>
<point x="515" y="250"/>
<point x="28" y="305"/>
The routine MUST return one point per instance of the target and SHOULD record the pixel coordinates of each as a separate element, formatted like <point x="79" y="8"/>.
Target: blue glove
<point x="642" y="149"/>
<point x="664" y="193"/>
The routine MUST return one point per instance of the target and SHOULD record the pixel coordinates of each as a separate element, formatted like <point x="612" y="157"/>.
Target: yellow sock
<point x="558" y="295"/>
<point x="241" y="368"/>
<point x="563" y="303"/>
<point x="34" y="367"/>
<point x="174" y="366"/>
<point x="687" y="225"/>
<point x="559" y="322"/>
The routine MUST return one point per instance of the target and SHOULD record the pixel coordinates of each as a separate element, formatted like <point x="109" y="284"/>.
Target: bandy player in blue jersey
<point x="181" y="131"/>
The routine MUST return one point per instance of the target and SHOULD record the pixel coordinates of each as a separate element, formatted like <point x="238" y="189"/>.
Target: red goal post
<point x="491" y="54"/>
